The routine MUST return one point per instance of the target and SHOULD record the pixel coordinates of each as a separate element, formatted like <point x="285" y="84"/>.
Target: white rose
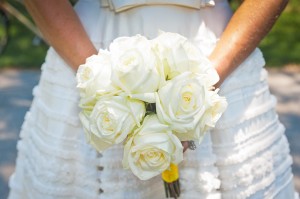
<point x="178" y="55"/>
<point x="111" y="120"/>
<point x="88" y="71"/>
<point x="182" y="102"/>
<point x="94" y="77"/>
<point x="151" y="149"/>
<point x="168" y="47"/>
<point x="91" y="138"/>
<point x="199" y="63"/>
<point x="87" y="104"/>
<point x="216" y="105"/>
<point x="135" y="65"/>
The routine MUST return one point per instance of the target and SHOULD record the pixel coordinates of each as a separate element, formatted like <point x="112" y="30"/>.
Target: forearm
<point x="62" y="29"/>
<point x="247" y="27"/>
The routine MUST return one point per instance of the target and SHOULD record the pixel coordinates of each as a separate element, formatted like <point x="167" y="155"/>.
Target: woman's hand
<point x="185" y="145"/>
<point x="247" y="27"/>
<point x="62" y="29"/>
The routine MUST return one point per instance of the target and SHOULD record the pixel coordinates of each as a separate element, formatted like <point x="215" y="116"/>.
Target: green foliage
<point x="21" y="52"/>
<point x="282" y="44"/>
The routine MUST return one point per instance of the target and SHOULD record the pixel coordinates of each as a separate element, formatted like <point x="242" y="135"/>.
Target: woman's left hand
<point x="185" y="145"/>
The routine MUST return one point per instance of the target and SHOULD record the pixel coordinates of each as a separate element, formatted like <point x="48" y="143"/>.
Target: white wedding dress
<point x="245" y="156"/>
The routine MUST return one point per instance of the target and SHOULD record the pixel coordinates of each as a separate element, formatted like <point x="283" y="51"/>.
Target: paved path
<point x="15" y="99"/>
<point x="285" y="85"/>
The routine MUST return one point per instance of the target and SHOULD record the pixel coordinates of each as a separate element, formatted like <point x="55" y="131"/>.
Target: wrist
<point x="220" y="67"/>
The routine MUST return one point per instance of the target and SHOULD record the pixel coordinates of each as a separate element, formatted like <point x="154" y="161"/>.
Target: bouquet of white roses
<point x="149" y="94"/>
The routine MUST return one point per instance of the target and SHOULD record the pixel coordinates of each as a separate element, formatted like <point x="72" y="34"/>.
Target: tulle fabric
<point x="245" y="156"/>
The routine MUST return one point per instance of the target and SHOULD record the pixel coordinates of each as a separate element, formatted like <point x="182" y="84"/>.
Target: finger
<point x="185" y="145"/>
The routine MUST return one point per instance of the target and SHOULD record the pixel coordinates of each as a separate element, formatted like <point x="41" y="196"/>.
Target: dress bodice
<point x="201" y="21"/>
<point x="122" y="5"/>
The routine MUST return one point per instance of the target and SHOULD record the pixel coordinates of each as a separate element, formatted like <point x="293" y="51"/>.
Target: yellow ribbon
<point x="171" y="174"/>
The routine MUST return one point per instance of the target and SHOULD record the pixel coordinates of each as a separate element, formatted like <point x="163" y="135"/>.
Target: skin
<point x="247" y="27"/>
<point x="61" y="26"/>
<point x="250" y="23"/>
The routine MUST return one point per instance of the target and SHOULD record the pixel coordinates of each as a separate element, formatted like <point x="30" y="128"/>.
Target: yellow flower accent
<point x="171" y="174"/>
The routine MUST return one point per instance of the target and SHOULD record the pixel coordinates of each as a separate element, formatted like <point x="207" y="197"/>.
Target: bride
<point x="245" y="156"/>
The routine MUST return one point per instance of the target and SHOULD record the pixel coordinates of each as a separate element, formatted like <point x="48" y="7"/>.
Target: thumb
<point x="185" y="145"/>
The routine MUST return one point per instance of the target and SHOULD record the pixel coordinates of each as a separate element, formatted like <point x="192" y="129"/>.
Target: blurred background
<point x="22" y="52"/>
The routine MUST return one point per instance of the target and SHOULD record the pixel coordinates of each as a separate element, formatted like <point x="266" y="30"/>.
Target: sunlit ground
<point x="285" y="85"/>
<point x="15" y="99"/>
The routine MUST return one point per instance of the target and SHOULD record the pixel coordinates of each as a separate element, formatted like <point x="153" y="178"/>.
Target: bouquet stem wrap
<point x="171" y="181"/>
